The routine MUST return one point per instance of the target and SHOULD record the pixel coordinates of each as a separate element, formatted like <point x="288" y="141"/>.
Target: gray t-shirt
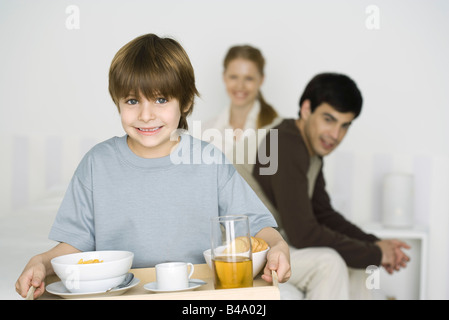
<point x="160" y="209"/>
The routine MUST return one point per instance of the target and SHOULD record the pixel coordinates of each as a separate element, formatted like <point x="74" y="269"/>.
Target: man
<point x="323" y="243"/>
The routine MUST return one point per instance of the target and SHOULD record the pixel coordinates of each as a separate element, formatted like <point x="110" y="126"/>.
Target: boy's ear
<point x="306" y="109"/>
<point x="187" y="108"/>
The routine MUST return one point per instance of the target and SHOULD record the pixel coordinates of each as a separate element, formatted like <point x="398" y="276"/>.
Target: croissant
<point x="258" y="244"/>
<point x="240" y="245"/>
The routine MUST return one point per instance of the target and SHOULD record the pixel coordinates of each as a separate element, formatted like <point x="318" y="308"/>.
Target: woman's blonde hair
<point x="267" y="113"/>
<point x="154" y="67"/>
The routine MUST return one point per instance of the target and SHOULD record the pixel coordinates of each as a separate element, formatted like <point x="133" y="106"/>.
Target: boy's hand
<point x="278" y="257"/>
<point x="38" y="268"/>
<point x="33" y="275"/>
<point x="279" y="261"/>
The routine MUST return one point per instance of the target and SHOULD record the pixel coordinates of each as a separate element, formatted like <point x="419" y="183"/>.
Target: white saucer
<point x="58" y="288"/>
<point x="193" y="284"/>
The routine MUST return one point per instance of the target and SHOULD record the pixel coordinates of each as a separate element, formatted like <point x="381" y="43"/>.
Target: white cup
<point x="173" y="275"/>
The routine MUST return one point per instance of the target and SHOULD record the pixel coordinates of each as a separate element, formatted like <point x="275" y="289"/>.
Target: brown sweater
<point x="310" y="222"/>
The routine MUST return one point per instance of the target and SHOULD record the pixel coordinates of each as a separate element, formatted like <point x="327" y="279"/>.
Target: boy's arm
<point x="278" y="257"/>
<point x="39" y="267"/>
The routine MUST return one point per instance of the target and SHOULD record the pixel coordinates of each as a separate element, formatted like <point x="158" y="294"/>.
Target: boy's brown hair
<point x="154" y="67"/>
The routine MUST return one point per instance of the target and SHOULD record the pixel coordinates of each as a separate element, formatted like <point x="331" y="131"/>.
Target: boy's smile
<point x="149" y="124"/>
<point x="149" y="131"/>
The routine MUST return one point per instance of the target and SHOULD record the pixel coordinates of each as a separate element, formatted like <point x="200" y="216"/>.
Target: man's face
<point x="325" y="128"/>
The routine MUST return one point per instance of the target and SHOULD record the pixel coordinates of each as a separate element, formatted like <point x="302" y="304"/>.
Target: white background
<point x="54" y="102"/>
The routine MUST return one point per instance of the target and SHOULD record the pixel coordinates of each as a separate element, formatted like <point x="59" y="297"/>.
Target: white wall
<point x="54" y="102"/>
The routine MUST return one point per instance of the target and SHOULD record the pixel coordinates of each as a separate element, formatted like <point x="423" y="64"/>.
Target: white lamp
<point x="398" y="198"/>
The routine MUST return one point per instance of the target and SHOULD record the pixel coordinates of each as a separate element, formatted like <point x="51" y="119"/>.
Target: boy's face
<point x="149" y="124"/>
<point x="325" y="128"/>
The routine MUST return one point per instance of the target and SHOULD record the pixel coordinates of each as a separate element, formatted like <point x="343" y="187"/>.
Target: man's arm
<point x="288" y="191"/>
<point x="326" y="214"/>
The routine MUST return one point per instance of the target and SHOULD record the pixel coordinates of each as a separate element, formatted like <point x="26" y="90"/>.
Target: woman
<point x="248" y="111"/>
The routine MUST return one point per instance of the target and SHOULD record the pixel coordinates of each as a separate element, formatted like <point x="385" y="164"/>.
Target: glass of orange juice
<point x="231" y="252"/>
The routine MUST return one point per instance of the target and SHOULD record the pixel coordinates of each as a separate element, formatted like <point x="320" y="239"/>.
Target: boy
<point x="128" y="194"/>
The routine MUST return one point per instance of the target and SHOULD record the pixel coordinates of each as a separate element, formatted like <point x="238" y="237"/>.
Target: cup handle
<point x="191" y="269"/>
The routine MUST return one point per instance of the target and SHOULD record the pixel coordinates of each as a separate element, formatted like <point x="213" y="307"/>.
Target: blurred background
<point x="55" y="105"/>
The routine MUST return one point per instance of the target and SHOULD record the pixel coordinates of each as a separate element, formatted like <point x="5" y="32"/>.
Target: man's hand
<point x="393" y="258"/>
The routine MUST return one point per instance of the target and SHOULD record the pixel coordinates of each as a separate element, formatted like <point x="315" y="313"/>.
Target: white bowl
<point x="259" y="260"/>
<point x="102" y="285"/>
<point x="94" y="276"/>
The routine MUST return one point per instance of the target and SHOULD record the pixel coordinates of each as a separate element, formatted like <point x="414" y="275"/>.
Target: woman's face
<point x="243" y="81"/>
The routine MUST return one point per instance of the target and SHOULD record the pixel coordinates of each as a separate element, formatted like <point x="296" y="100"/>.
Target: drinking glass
<point x="231" y="252"/>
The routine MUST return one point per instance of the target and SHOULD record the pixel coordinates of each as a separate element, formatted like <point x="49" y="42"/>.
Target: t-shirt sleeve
<point x="74" y="223"/>
<point x="235" y="197"/>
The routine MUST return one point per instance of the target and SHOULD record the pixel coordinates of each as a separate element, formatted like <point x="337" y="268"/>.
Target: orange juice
<point x="232" y="272"/>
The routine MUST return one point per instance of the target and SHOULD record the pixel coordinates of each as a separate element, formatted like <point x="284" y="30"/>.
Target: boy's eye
<point x="132" y="101"/>
<point x="161" y="100"/>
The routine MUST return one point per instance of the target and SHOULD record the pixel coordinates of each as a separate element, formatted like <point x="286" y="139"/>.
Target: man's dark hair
<point x="338" y="90"/>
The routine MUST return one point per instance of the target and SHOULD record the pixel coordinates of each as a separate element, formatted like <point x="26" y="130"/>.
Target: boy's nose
<point x="147" y="113"/>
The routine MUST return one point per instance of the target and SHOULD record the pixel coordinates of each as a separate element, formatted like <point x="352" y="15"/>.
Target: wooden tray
<point x="261" y="290"/>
